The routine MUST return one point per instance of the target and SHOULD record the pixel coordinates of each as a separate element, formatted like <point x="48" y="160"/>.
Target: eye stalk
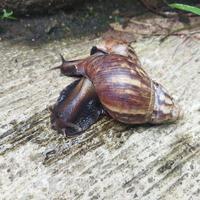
<point x="96" y="50"/>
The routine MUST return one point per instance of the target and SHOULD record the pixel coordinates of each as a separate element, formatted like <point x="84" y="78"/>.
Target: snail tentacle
<point x="69" y="68"/>
<point x="94" y="50"/>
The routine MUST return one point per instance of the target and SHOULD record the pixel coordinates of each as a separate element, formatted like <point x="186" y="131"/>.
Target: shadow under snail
<point x="114" y="84"/>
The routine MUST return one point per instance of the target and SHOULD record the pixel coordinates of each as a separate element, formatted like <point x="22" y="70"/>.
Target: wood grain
<point x="110" y="160"/>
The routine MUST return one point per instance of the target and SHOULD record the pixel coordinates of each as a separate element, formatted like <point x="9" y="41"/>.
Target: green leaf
<point x="184" y="7"/>
<point x="7" y="15"/>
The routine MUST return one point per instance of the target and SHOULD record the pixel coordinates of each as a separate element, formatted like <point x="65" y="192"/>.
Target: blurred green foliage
<point x="187" y="8"/>
<point x="7" y="15"/>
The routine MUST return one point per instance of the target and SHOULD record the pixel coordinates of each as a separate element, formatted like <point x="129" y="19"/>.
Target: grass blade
<point x="187" y="8"/>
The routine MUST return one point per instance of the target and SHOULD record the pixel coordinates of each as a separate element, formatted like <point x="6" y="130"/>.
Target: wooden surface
<point x="110" y="160"/>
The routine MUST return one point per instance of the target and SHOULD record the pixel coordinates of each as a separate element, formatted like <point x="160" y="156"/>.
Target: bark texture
<point x="110" y="160"/>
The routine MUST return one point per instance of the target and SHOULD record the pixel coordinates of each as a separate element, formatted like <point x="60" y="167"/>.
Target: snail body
<point x="76" y="109"/>
<point x="124" y="89"/>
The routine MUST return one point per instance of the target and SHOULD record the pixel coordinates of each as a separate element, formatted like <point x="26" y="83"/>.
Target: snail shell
<point x="126" y="91"/>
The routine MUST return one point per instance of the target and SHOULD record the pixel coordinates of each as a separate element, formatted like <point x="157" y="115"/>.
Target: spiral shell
<point x="126" y="91"/>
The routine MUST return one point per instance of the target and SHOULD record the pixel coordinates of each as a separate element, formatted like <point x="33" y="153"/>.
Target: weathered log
<point x="110" y="160"/>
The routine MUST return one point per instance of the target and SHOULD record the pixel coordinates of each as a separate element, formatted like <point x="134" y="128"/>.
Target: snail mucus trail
<point x="113" y="84"/>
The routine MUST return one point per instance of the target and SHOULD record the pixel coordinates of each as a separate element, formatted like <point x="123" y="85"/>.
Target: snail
<point x="114" y="84"/>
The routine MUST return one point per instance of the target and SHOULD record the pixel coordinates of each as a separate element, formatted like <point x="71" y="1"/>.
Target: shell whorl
<point x="165" y="108"/>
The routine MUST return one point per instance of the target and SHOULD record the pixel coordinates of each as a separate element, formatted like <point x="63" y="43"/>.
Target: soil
<point x="85" y="20"/>
<point x="22" y="7"/>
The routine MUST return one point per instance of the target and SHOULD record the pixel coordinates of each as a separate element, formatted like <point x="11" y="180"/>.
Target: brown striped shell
<point x="126" y="91"/>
